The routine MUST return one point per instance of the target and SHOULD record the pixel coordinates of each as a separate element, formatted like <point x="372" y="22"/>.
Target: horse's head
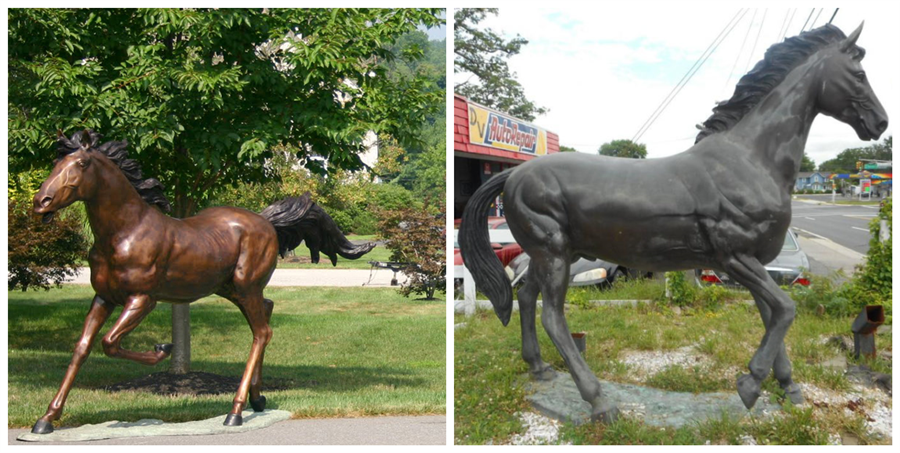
<point x="71" y="179"/>
<point x="846" y="94"/>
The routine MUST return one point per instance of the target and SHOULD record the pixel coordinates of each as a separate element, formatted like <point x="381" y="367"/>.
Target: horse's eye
<point x="82" y="163"/>
<point x="860" y="77"/>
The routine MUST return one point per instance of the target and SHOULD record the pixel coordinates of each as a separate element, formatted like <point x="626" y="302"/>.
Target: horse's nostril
<point x="46" y="201"/>
<point x="882" y="126"/>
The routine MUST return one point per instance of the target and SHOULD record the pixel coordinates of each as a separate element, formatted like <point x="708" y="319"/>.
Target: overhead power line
<point x="816" y="19"/>
<point x="759" y="32"/>
<point x="740" y="52"/>
<point x="807" y="20"/>
<point x="693" y="70"/>
<point x="832" y="16"/>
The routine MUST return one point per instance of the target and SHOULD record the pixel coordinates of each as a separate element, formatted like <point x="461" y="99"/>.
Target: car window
<point x="502" y="226"/>
<point x="790" y="245"/>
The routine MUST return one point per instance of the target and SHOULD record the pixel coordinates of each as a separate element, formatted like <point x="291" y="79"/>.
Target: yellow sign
<point x="493" y="129"/>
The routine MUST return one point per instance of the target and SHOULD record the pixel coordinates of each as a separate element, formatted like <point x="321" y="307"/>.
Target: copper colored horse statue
<point x="141" y="256"/>
<point x="723" y="204"/>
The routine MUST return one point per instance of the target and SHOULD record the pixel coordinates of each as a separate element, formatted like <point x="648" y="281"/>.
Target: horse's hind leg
<point x="136" y="309"/>
<point x="553" y="272"/>
<point x="750" y="273"/>
<point x="257" y="401"/>
<point x="782" y="366"/>
<point x="531" y="350"/>
<point x="98" y="314"/>
<point x="255" y="310"/>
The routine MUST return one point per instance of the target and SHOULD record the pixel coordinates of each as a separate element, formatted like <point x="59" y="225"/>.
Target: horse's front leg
<point x="782" y="367"/>
<point x="553" y="272"/>
<point x="749" y="272"/>
<point x="137" y="307"/>
<point x="98" y="314"/>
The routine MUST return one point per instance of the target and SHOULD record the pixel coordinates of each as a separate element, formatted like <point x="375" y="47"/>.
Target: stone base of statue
<point x="152" y="427"/>
<point x="558" y="398"/>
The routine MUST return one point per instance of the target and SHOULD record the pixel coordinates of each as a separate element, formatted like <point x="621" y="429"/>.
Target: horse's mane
<point x="780" y="59"/>
<point x="150" y="189"/>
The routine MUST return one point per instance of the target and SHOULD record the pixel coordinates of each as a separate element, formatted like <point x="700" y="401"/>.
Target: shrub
<point x="682" y="292"/>
<point x="415" y="236"/>
<point x="41" y="255"/>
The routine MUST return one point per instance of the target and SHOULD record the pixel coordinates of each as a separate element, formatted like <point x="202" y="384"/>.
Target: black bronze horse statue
<point x="724" y="204"/>
<point x="141" y="256"/>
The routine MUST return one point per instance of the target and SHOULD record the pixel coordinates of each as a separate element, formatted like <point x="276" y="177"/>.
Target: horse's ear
<point x="851" y="40"/>
<point x="86" y="139"/>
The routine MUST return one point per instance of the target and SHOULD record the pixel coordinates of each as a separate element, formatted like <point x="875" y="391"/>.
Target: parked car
<point x="506" y="251"/>
<point x="584" y="272"/>
<point x="787" y="269"/>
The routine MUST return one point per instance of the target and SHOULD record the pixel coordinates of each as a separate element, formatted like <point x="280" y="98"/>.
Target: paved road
<point x="421" y="430"/>
<point x="375" y="278"/>
<point x="847" y="225"/>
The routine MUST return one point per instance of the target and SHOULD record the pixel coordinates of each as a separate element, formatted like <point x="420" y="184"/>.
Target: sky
<point x="602" y="69"/>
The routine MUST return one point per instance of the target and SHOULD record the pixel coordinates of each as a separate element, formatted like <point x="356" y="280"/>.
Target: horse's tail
<point x="476" y="250"/>
<point x="298" y="219"/>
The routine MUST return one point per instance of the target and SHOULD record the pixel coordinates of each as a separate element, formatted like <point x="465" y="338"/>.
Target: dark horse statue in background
<point x="141" y="256"/>
<point x="723" y="204"/>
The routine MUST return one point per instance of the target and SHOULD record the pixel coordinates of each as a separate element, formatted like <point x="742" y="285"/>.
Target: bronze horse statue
<point x="724" y="204"/>
<point x="141" y="256"/>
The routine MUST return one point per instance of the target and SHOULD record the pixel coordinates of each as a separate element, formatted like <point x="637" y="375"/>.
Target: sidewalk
<point x="375" y="278"/>
<point x="419" y="430"/>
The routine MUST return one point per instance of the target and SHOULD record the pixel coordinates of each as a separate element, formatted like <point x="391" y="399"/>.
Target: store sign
<point x="489" y="128"/>
<point x="865" y="185"/>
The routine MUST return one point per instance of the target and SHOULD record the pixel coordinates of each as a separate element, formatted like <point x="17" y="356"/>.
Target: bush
<point x="682" y="292"/>
<point x="415" y="236"/>
<point x="41" y="255"/>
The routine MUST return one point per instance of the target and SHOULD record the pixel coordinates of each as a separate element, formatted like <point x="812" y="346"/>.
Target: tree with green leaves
<point x="567" y="149"/>
<point x="807" y="164"/>
<point x="623" y="148"/>
<point x="483" y="55"/>
<point x="845" y="162"/>
<point x="204" y="95"/>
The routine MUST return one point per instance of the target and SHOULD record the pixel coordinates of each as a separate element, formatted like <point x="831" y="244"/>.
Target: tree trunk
<point x="180" y="361"/>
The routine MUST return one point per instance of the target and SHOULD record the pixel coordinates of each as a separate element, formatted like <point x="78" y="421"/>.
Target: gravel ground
<point x="539" y="430"/>
<point x="872" y="403"/>
<point x="649" y="363"/>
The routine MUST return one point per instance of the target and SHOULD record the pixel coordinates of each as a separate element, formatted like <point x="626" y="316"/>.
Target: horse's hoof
<point x="544" y="374"/>
<point x="258" y="405"/>
<point x="234" y="420"/>
<point x="749" y="390"/>
<point x="165" y="348"/>
<point x="606" y="413"/>
<point x="42" y="427"/>
<point x="793" y="393"/>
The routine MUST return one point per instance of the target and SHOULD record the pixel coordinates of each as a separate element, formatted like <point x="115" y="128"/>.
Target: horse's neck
<point x="777" y="128"/>
<point x="116" y="206"/>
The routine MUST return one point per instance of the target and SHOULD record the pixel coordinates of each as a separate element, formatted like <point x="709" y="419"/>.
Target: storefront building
<point x="486" y="142"/>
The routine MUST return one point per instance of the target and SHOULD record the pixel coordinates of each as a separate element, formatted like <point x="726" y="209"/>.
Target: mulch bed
<point x="192" y="383"/>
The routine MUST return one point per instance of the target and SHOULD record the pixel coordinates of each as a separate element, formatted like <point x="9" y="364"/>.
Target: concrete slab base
<point x="153" y="427"/>
<point x="559" y="399"/>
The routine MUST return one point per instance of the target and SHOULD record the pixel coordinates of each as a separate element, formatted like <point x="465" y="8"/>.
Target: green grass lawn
<point x="379" y="253"/>
<point x="338" y="352"/>
<point x="489" y="372"/>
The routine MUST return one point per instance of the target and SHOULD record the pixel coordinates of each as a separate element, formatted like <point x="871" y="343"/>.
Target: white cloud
<point x="602" y="69"/>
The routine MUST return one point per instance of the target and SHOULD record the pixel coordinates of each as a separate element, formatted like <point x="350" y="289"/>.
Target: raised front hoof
<point x="165" y="348"/>
<point x="748" y="389"/>
<point x="606" y="413"/>
<point x="546" y="373"/>
<point x="258" y="405"/>
<point x="794" y="394"/>
<point x="42" y="427"/>
<point x="234" y="420"/>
